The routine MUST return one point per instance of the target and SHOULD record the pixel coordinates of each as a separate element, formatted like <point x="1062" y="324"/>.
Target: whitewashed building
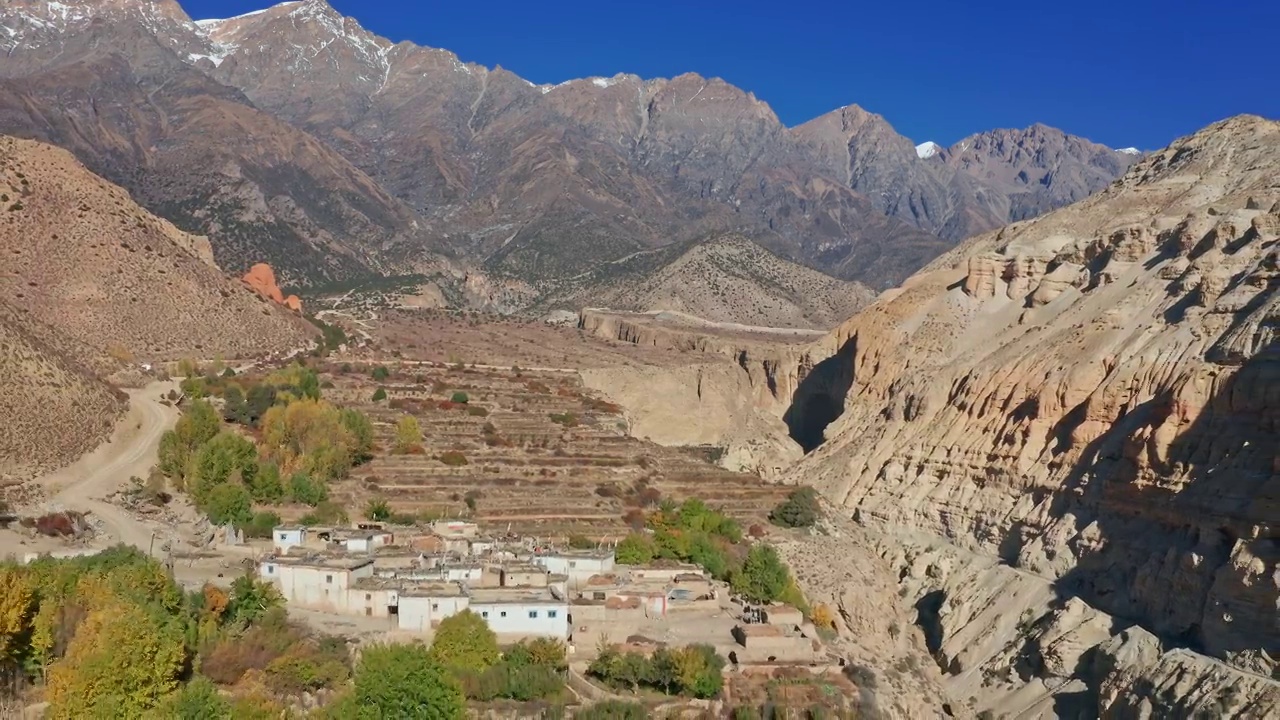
<point x="318" y="583"/>
<point x="284" y="537"/>
<point x="423" y="607"/>
<point x="359" y="543"/>
<point x="578" y="565"/>
<point x="522" y="613"/>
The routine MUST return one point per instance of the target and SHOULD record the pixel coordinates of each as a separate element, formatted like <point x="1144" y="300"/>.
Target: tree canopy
<point x="465" y="642"/>
<point x="405" y="681"/>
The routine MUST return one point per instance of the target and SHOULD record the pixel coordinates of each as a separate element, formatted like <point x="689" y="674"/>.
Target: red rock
<point x="263" y="281"/>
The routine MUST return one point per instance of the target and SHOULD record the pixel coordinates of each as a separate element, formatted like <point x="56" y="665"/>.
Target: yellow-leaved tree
<point x="308" y="435"/>
<point x="16" y="598"/>
<point x="122" y="661"/>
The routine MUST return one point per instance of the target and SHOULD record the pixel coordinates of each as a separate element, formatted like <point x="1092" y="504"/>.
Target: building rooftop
<point x="513" y="596"/>
<point x="422" y="589"/>
<point x="288" y="528"/>
<point x="327" y="562"/>
<point x="591" y="554"/>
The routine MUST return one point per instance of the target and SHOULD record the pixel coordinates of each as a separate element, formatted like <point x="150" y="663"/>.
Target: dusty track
<point x="130" y="451"/>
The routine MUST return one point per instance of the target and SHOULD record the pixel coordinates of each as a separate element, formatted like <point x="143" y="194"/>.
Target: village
<point x="413" y="578"/>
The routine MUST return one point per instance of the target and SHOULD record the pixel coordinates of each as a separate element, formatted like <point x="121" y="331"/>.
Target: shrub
<point x="459" y="398"/>
<point x="567" y="419"/>
<point x="453" y="458"/>
<point x="377" y="510"/>
<point x="408" y="434"/>
<point x="380" y="373"/>
<point x="470" y="499"/>
<point x="635" y="549"/>
<point x="379" y="395"/>
<point x="800" y="509"/>
<point x="261" y="525"/>
<point x="581" y="542"/>
<point x="694" y="670"/>
<point x="613" y="710"/>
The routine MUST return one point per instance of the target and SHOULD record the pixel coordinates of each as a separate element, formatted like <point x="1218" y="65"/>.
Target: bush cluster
<point x="692" y="671"/>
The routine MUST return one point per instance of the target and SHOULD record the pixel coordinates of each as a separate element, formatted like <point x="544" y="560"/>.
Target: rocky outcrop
<point x="262" y="279"/>
<point x="1087" y="397"/>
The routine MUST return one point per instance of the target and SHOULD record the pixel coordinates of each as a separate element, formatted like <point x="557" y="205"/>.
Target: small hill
<point x="728" y="279"/>
<point x="54" y="409"/>
<point x="81" y="257"/>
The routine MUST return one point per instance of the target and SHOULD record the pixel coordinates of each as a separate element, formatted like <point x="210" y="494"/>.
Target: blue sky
<point x="1123" y="72"/>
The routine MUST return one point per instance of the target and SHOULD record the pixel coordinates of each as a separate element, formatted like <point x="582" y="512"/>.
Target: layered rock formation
<point x="262" y="280"/>
<point x="1088" y="397"/>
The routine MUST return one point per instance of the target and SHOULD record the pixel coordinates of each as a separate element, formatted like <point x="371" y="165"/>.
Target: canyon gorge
<point x="1060" y="435"/>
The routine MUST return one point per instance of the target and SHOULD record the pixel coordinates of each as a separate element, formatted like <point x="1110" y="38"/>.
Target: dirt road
<point x="131" y="451"/>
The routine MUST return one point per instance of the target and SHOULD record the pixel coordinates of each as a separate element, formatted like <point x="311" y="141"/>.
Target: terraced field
<point x="542" y="455"/>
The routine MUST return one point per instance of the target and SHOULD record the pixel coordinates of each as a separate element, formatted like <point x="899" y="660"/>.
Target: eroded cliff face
<point x="1094" y="398"/>
<point x="733" y="392"/>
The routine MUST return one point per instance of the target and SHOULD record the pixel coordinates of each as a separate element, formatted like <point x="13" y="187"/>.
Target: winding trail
<point x="132" y="450"/>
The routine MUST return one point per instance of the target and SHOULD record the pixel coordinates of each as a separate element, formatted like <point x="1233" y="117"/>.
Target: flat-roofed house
<point x="316" y="582"/>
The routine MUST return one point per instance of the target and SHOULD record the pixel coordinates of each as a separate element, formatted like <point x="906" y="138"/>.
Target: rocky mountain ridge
<point x="1082" y="399"/>
<point x="377" y="157"/>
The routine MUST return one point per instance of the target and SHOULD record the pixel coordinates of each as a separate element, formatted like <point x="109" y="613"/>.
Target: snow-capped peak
<point x="1130" y="151"/>
<point x="928" y="149"/>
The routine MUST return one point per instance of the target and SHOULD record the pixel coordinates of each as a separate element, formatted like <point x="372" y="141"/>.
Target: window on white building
<point x="573" y="564"/>
<point x="533" y="614"/>
<point x="283" y="536"/>
<point x="328" y="579"/>
<point x="503" y="613"/>
<point x="435" y="607"/>
<point x="271" y="569"/>
<point x="484" y="614"/>
<point x="552" y="613"/>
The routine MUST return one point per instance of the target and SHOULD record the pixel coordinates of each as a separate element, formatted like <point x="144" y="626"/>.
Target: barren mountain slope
<point x="54" y="409"/>
<point x="115" y="83"/>
<point x="729" y="279"/>
<point x="1091" y="396"/>
<point x="81" y="257"/>
<point x="981" y="183"/>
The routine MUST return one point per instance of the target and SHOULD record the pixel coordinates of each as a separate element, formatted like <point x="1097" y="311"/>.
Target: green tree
<point x="380" y="373"/>
<point x="635" y="549"/>
<point x="465" y="642"/>
<point x="763" y="577"/>
<point x="460" y="398"/>
<point x="379" y="395"/>
<point x="217" y="460"/>
<point x="260" y="398"/>
<point x="377" y="510"/>
<point x="265" y="486"/>
<point x="800" y="509"/>
<point x="361" y="430"/>
<point x="234" y="408"/>
<point x="251" y="599"/>
<point x="306" y="490"/>
<point x="229" y="503"/>
<point x="408" y="434"/>
<point x="405" y="681"/>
